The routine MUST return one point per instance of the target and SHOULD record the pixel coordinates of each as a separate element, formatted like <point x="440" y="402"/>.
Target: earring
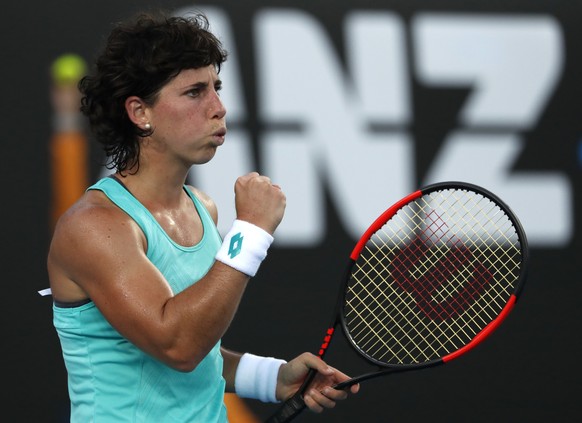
<point x="147" y="126"/>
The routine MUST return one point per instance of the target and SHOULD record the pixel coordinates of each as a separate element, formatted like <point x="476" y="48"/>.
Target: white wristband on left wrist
<point x="256" y="377"/>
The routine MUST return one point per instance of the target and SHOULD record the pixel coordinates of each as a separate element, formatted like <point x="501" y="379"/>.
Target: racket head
<point x="433" y="276"/>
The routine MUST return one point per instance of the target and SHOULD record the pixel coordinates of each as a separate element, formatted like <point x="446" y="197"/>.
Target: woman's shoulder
<point x="92" y="212"/>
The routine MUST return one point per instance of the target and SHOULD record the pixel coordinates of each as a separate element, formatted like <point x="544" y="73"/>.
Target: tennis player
<point x="144" y="287"/>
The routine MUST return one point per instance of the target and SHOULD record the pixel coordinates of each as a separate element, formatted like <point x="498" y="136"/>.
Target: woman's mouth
<point x="219" y="135"/>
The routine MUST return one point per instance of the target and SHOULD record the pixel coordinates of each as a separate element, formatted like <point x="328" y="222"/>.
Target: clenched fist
<point x="259" y="202"/>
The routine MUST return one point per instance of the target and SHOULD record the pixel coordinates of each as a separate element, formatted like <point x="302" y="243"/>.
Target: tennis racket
<point x="430" y="279"/>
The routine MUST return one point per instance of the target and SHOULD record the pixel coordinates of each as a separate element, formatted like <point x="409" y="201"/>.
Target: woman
<point x="144" y="287"/>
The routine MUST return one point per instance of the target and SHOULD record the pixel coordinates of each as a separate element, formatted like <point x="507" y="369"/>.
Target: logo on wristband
<point x="235" y="245"/>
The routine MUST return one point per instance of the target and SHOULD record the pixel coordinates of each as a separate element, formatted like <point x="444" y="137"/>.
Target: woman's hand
<point x="320" y="394"/>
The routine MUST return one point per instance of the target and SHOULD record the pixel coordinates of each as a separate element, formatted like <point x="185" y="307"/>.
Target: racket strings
<point x="432" y="277"/>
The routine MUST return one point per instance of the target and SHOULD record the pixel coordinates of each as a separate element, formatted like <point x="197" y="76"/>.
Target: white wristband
<point x="256" y="377"/>
<point x="244" y="247"/>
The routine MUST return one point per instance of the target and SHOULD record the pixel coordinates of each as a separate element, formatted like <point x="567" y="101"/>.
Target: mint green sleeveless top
<point x="112" y="381"/>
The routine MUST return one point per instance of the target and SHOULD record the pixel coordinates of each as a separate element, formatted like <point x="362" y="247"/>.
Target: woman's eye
<point x="194" y="93"/>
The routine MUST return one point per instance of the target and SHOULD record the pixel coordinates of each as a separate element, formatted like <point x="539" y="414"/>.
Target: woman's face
<point x="188" y="118"/>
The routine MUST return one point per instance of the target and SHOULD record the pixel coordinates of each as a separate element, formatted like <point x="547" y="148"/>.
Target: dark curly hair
<point x="140" y="56"/>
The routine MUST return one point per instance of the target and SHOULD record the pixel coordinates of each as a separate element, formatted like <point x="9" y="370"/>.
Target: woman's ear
<point x="136" y="111"/>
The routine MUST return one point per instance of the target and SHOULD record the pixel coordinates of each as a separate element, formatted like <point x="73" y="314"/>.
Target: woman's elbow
<point x="182" y="361"/>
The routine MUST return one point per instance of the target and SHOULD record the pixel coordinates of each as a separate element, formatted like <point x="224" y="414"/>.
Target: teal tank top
<point x="112" y="381"/>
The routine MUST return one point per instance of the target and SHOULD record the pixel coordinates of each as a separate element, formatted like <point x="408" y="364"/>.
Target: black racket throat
<point x="384" y="372"/>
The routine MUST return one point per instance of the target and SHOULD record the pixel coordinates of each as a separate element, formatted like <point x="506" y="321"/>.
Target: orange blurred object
<point x="238" y="411"/>
<point x="68" y="152"/>
<point x="68" y="145"/>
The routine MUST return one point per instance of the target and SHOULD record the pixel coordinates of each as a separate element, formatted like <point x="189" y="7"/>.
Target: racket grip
<point x="289" y="410"/>
<point x="294" y="405"/>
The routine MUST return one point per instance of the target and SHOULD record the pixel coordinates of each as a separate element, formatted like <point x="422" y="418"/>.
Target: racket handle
<point x="289" y="410"/>
<point x="294" y="405"/>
